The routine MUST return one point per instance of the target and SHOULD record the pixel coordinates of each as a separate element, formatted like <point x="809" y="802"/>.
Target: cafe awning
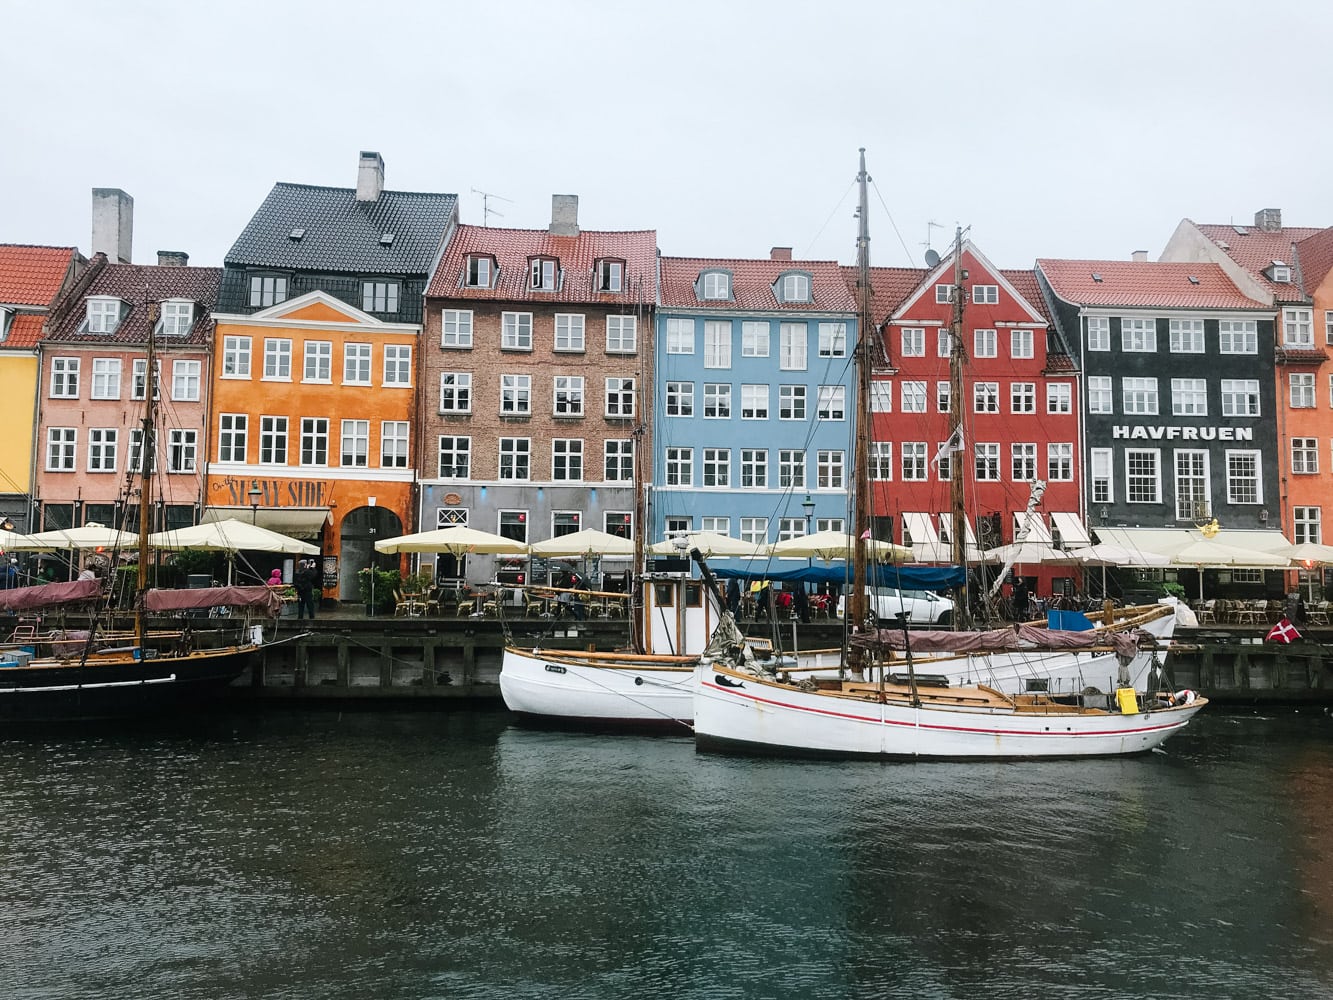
<point x="298" y="522"/>
<point x="1070" y="526"/>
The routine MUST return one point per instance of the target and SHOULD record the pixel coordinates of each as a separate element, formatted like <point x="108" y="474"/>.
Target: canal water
<point x="454" y="855"/>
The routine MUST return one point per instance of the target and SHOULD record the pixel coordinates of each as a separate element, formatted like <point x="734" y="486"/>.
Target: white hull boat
<point x="608" y="689"/>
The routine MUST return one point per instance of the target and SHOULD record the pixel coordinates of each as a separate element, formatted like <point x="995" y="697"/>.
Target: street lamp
<point x="808" y="506"/>
<point x="256" y="494"/>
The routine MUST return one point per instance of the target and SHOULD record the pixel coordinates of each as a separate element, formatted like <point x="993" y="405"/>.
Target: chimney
<point x="173" y="258"/>
<point x="780" y="253"/>
<point x="113" y="224"/>
<point x="369" y="176"/>
<point x="1139" y="256"/>
<point x="564" y="215"/>
<point x="1268" y="220"/>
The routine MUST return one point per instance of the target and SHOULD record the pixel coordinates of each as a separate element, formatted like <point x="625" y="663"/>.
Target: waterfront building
<point x="32" y="281"/>
<point x="315" y="361"/>
<point x="1019" y="409"/>
<point x="536" y="384"/>
<point x="755" y="385"/>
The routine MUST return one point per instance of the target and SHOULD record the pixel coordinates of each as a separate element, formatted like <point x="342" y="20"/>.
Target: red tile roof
<point x="32" y="275"/>
<point x="889" y="287"/>
<point x="1025" y="284"/>
<point x="752" y="284"/>
<point x="137" y="284"/>
<point x="1315" y="256"/>
<point x="513" y="248"/>
<point x="25" y="330"/>
<point x="1255" y="249"/>
<point x="1144" y="284"/>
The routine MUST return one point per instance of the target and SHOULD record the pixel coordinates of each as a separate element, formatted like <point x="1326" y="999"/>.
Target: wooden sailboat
<point x="46" y="678"/>
<point x="879" y="706"/>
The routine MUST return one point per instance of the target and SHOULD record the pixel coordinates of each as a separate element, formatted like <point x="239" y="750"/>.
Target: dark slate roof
<point x="138" y="284"/>
<point x="342" y="234"/>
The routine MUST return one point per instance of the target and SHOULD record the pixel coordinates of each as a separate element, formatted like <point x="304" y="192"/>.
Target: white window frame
<point x="317" y="364"/>
<point x="236" y="354"/>
<point x="754" y="530"/>
<point x="755" y="338"/>
<point x="881" y="461"/>
<point x="1059" y="397"/>
<point x="1192" y="483"/>
<point x="618" y="460"/>
<point x="1298" y="328"/>
<point x="833" y="340"/>
<point x="103" y="314"/>
<point x="456" y="329"/>
<point x="395" y="444"/>
<point x="915" y="462"/>
<point x="754" y="468"/>
<point x="274" y="440"/>
<point x="1238" y="336"/>
<point x="1101" y="475"/>
<point x="515" y="459"/>
<point x="1139" y="396"/>
<point x="622" y="334"/>
<point x="717" y="343"/>
<point x="985" y="295"/>
<point x="1060" y="461"/>
<point x="65" y="378"/>
<point x="267" y="290"/>
<point x="679" y="401"/>
<point x="1023" y="461"/>
<point x="1301" y="390"/>
<point x="881" y="397"/>
<point x="679" y="463"/>
<point x="1304" y="456"/>
<point x="1021" y="344"/>
<point x="1236" y="477"/>
<point x="357" y="361"/>
<point x="680" y="335"/>
<point x="793" y="402"/>
<point x="985" y="397"/>
<point x="568" y="396"/>
<point x="1138" y="335"/>
<point x="567" y="460"/>
<point x="277" y="359"/>
<point x="455" y="392"/>
<point x="793" y="344"/>
<point x="985" y="343"/>
<point x="1137" y="478"/>
<point x="397" y="366"/>
<point x="314" y="442"/>
<point x="1099" y="333"/>
<point x="1186" y="336"/>
<point x="831" y="402"/>
<point x="791" y="468"/>
<point x="1101" y="394"/>
<point x="831" y="469"/>
<point x="379" y="296"/>
<point x="717" y="401"/>
<point x="105" y="378"/>
<point x="61" y="445"/>
<point x="754" y="401"/>
<point x="1244" y="391"/>
<point x="186" y="380"/>
<point x="177" y="317"/>
<point x="986" y="461"/>
<point x="516" y="331"/>
<point x="1189" y="397"/>
<point x="453" y="447"/>
<point x="515" y="395"/>
<point x="103" y="443"/>
<point x="569" y="333"/>
<point x="913" y="341"/>
<point x="233" y="437"/>
<point x="1023" y="397"/>
<point x="912" y="396"/>
<point x="715" y="469"/>
<point x="619" y="398"/>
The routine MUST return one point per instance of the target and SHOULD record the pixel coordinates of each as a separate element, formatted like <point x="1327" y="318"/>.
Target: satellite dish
<point x="932" y="258"/>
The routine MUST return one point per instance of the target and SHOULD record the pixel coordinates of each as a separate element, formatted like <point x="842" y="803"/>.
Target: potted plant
<point x="377" y="588"/>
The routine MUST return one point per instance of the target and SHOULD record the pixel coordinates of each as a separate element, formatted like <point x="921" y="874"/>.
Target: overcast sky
<point x="1061" y="129"/>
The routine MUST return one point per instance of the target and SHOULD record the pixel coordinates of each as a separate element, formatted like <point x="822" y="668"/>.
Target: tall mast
<point x="861" y="450"/>
<point x="147" y="451"/>
<point x="636" y="605"/>
<point x="956" y="445"/>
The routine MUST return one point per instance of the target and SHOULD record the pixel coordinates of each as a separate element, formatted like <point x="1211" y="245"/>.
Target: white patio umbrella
<point x="832" y="545"/>
<point x="91" y="536"/>
<point x="1208" y="553"/>
<point x="1107" y="554"/>
<point x="456" y="540"/>
<point x="230" y="536"/>
<point x="1029" y="553"/>
<point x="1305" y="557"/>
<point x="588" y="544"/>
<point x="19" y="542"/>
<point x="709" y="543"/>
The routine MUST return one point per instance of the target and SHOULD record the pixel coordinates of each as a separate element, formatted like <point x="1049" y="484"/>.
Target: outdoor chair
<point x="1318" y="615"/>
<point x="1207" y="612"/>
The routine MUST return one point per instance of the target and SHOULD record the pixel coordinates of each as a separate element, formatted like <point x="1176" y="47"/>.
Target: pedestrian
<point x="733" y="596"/>
<point x="802" y="602"/>
<point x="579" y="607"/>
<point x="1295" y="609"/>
<point x="763" y="604"/>
<point x="304" y="581"/>
<point x="275" y="578"/>
<point x="12" y="574"/>
<point x="1020" y="599"/>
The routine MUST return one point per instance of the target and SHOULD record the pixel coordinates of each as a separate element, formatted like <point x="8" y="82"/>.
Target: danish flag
<point x="1284" y="631"/>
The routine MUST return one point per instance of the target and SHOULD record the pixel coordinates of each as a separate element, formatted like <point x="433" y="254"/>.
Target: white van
<point x="922" y="606"/>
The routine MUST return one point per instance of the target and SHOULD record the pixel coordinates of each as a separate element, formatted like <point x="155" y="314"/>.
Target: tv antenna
<point x="486" y="210"/>
<point x="932" y="258"/>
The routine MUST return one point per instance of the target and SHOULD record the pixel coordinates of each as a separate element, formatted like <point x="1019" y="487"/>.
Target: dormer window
<point x="104" y="315"/>
<point x="716" y="285"/>
<point x="267" y="290"/>
<point x="480" y="271"/>
<point x="379" y="296"/>
<point x="610" y="275"/>
<point x="793" y="287"/>
<point x="4" y="324"/>
<point x="177" y="318"/>
<point x="1279" y="273"/>
<point x="545" y="271"/>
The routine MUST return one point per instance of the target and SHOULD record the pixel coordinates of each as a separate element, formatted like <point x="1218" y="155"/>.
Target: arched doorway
<point x="361" y="529"/>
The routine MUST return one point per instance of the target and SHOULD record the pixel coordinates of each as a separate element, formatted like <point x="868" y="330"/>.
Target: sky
<point x="1051" y="129"/>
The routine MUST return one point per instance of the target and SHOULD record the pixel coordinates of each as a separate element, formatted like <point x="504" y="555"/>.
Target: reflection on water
<point x="453" y="855"/>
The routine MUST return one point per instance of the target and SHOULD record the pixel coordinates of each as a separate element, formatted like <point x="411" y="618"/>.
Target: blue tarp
<point x="1068" y="621"/>
<point x="903" y="577"/>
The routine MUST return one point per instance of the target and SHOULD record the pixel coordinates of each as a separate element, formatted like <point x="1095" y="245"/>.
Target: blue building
<point x="754" y="386"/>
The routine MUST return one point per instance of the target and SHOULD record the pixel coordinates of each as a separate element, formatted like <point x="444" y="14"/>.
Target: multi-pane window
<point x="1020" y="344"/>
<point x="881" y="397"/>
<point x="568" y="395"/>
<point x="754" y="468"/>
<point x="106" y="378"/>
<point x="1101" y="396"/>
<point x="985" y="295"/>
<point x="267" y="290"/>
<point x="680" y="466"/>
<point x="1023" y="462"/>
<point x="455" y="456"/>
<point x="610" y="275"/>
<point x="943" y="294"/>
<point x="1240" y="397"/>
<point x="622" y="334"/>
<point x="754" y="402"/>
<point x="618" y="461"/>
<point x="567" y="460"/>
<point x="833" y="340"/>
<point x="791" y="402"/>
<point x="717" y="525"/>
<point x="103" y="315"/>
<point x="516" y="331"/>
<point x="1189" y="397"/>
<point x="569" y="332"/>
<point x="754" y="530"/>
<point x="318" y="361"/>
<point x="515" y="395"/>
<point x="943" y="343"/>
<point x="177" y="318"/>
<point x="456" y="328"/>
<point x="273" y="440"/>
<point x="986" y="397"/>
<point x="913" y="396"/>
<point x="1328" y="334"/>
<point x="881" y="460"/>
<point x="543" y="272"/>
<point x="1100" y="470"/>
<point x="1023" y="397"/>
<point x="620" y="397"/>
<point x="60" y="444"/>
<point x="1060" y="461"/>
<point x="1302" y="390"/>
<point x="985" y="344"/>
<point x="398" y="364"/>
<point x="717" y="285"/>
<point x="832" y="402"/>
<point x="134" y="458"/>
<point x="1192" y="502"/>
<point x="515" y="458"/>
<point x="314" y="441"/>
<point x="479" y="271"/>
<point x="914" y="461"/>
<point x="680" y="399"/>
<point x="1143" y="475"/>
<point x="102" y="449"/>
<point x="943" y="397"/>
<point x="1243" y="477"/>
<point x="379" y="296"/>
<point x="792" y="339"/>
<point x="1306" y="526"/>
<point x="790" y="527"/>
<point x="1139" y="395"/>
<point x="455" y="392"/>
<point x="791" y="469"/>
<point x="1059" y="398"/>
<point x="795" y="288"/>
<point x="914" y="342"/>
<point x="185" y="376"/>
<point x="680" y="336"/>
<point x="356" y="364"/>
<point x="717" y="344"/>
<point x="277" y="359"/>
<point x="830" y="524"/>
<point x="233" y="437"/>
<point x="716" y="467"/>
<point x="64" y="378"/>
<point x="717" y="400"/>
<point x="831" y="469"/>
<point x="1099" y="333"/>
<point x="513" y="524"/>
<point x="182" y="450"/>
<point x="1138" y="335"/>
<point x="1304" y="455"/>
<point x="393" y="444"/>
<point x="235" y="357"/>
<point x="1186" y="336"/>
<point x="139" y="378"/>
<point x="754" y="339"/>
<point x="1238" y="336"/>
<point x="987" y="462"/>
<point x="1297" y="328"/>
